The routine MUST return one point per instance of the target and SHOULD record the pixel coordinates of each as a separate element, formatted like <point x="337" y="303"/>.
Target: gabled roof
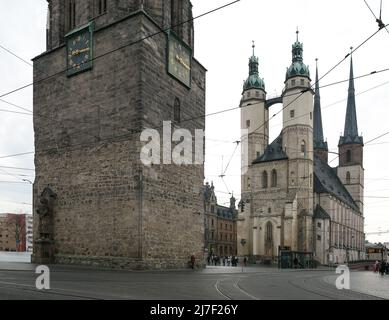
<point x="327" y="181"/>
<point x="273" y="152"/>
<point x="320" y="213"/>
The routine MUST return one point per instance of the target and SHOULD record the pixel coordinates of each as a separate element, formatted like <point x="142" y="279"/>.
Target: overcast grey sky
<point x="223" y="45"/>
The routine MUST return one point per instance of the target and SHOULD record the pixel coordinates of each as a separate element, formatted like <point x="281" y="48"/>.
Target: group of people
<point x="227" y="261"/>
<point x="381" y="267"/>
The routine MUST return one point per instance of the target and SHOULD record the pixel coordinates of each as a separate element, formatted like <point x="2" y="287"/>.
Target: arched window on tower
<point x="303" y="149"/>
<point x="177" y="110"/>
<point x="269" y="232"/>
<point x="348" y="156"/>
<point x="176" y="16"/>
<point x="274" y="178"/>
<point x="348" y="177"/>
<point x="71" y="15"/>
<point x="264" y="179"/>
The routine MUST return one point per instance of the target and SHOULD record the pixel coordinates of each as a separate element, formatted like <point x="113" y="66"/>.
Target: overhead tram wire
<point x="381" y="25"/>
<point x="123" y="46"/>
<point x="210" y="114"/>
<point x="186" y="120"/>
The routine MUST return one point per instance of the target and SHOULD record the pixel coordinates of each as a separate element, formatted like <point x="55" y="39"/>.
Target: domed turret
<point x="298" y="68"/>
<point x="253" y="81"/>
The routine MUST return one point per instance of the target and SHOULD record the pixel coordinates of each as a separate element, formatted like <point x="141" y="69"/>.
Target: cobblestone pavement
<point x="17" y="281"/>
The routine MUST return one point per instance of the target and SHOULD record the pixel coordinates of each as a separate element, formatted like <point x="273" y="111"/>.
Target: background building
<point x="14" y="232"/>
<point x="220" y="224"/>
<point x="292" y="199"/>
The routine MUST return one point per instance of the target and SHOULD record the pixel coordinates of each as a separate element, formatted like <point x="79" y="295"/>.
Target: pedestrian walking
<point x="192" y="261"/>
<point x="382" y="268"/>
<point x="376" y="265"/>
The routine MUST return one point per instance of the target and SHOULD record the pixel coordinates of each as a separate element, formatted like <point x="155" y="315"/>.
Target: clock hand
<point x="79" y="51"/>
<point x="180" y="60"/>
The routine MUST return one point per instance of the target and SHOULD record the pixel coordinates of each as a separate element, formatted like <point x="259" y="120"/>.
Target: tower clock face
<point x="79" y="50"/>
<point x="179" y="60"/>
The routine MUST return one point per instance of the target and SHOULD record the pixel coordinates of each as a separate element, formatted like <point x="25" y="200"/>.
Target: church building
<point x="292" y="199"/>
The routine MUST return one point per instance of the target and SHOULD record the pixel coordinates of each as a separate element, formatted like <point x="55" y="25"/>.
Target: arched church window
<point x="269" y="210"/>
<point x="177" y="110"/>
<point x="303" y="149"/>
<point x="269" y="232"/>
<point x="274" y="178"/>
<point x="348" y="156"/>
<point x="348" y="177"/>
<point x="264" y="179"/>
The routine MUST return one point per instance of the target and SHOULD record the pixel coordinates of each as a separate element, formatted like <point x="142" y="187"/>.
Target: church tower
<point x="111" y="70"/>
<point x="254" y="118"/>
<point x="297" y="141"/>
<point x="319" y="145"/>
<point x="350" y="170"/>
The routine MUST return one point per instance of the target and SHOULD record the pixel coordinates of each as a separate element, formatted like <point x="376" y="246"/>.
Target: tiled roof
<point x="327" y="181"/>
<point x="273" y="152"/>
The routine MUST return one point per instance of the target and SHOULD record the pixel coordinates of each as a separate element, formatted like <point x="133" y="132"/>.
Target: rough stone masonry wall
<point x="173" y="205"/>
<point x="87" y="151"/>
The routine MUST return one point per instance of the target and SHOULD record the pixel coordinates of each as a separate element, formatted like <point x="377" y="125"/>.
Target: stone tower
<point x="109" y="80"/>
<point x="297" y="141"/>
<point x="320" y="146"/>
<point x="254" y="119"/>
<point x="350" y="170"/>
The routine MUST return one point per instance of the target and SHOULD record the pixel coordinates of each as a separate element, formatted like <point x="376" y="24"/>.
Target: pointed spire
<point x="253" y="64"/>
<point x="350" y="134"/>
<point x="351" y="125"/>
<point x="297" y="34"/>
<point x="318" y="137"/>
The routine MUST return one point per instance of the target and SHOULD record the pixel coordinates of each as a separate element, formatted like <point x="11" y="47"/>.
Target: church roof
<point x="327" y="181"/>
<point x="273" y="152"/>
<point x="320" y="213"/>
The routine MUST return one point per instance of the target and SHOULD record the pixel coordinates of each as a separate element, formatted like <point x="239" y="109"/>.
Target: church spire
<point x="350" y="134"/>
<point x="320" y="146"/>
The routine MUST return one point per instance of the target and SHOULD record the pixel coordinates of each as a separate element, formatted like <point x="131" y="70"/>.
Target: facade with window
<point x="15" y="232"/>
<point x="220" y="224"/>
<point x="291" y="197"/>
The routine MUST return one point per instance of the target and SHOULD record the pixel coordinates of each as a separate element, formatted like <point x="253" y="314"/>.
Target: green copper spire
<point x="298" y="68"/>
<point x="253" y="81"/>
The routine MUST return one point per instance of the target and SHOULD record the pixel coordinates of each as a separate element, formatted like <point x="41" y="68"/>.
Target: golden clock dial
<point x="179" y="60"/>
